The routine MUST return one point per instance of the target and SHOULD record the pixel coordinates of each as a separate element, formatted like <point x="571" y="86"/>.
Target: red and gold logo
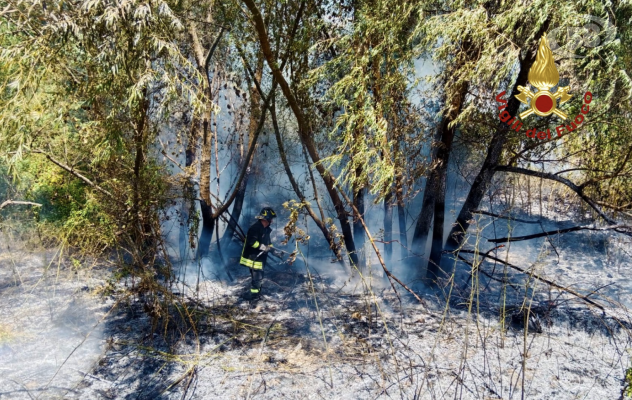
<point x="543" y="75"/>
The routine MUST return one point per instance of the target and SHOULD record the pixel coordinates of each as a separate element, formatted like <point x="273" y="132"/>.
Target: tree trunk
<point x="422" y="227"/>
<point x="208" y="222"/>
<point x="434" y="195"/>
<point x="187" y="240"/>
<point x="443" y="156"/>
<point x="358" y="230"/>
<point x="144" y="239"/>
<point x="403" y="236"/>
<point x="388" y="228"/>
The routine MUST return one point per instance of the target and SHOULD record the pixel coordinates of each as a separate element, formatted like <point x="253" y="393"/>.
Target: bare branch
<point x="567" y="290"/>
<point x="249" y="155"/>
<point x="74" y="172"/>
<point x="505" y="217"/>
<point x="558" y="231"/>
<point x="207" y="61"/>
<point x="9" y="202"/>
<point x="388" y="273"/>
<point x="545" y="175"/>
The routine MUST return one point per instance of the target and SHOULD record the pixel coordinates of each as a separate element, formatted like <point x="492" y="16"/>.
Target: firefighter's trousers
<point x="257" y="278"/>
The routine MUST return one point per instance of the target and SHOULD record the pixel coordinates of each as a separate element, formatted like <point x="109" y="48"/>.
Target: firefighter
<point x="256" y="248"/>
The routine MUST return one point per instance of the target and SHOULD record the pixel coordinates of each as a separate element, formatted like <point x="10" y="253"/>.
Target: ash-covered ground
<point x="51" y="322"/>
<point x="317" y="334"/>
<point x="308" y="337"/>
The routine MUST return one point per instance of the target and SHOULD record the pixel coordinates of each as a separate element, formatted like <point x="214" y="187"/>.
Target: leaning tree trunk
<point x="288" y="171"/>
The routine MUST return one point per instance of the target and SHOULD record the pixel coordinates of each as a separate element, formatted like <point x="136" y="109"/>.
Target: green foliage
<point x="370" y="80"/>
<point x="628" y="383"/>
<point x="77" y="81"/>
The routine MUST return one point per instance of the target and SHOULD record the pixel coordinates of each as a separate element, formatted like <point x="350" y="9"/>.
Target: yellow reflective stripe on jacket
<point x="250" y="263"/>
<point x="256" y="244"/>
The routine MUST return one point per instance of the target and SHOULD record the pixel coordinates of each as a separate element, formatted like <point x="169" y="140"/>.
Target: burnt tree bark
<point x="433" y="206"/>
<point x="422" y="227"/>
<point x="443" y="157"/>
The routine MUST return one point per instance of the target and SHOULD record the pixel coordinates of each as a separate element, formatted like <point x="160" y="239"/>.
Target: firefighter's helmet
<point x="266" y="213"/>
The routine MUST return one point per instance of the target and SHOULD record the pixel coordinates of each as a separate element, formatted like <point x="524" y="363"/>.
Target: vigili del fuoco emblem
<point x="543" y="75"/>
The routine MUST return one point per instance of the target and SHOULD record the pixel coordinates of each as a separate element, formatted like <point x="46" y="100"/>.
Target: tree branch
<point x="388" y="273"/>
<point x="73" y="172"/>
<point x="616" y="173"/>
<point x="505" y="217"/>
<point x="567" y="290"/>
<point x="545" y="175"/>
<point x="207" y="60"/>
<point x="558" y="231"/>
<point x="9" y="202"/>
<point x="251" y="150"/>
<point x="622" y="209"/>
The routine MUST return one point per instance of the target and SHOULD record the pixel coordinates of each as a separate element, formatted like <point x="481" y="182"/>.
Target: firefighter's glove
<point x="264" y="248"/>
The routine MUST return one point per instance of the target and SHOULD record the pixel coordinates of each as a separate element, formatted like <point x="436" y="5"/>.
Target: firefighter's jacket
<point x="251" y="256"/>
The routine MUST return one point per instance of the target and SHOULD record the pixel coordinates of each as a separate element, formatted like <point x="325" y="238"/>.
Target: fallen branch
<point x="558" y="231"/>
<point x="487" y="274"/>
<point x="538" y="277"/>
<point x="575" y="188"/>
<point x="388" y="273"/>
<point x="505" y="217"/>
<point x="28" y="203"/>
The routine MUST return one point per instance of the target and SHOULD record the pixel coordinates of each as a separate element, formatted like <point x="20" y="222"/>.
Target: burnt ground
<point x="316" y="337"/>
<point x="64" y="335"/>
